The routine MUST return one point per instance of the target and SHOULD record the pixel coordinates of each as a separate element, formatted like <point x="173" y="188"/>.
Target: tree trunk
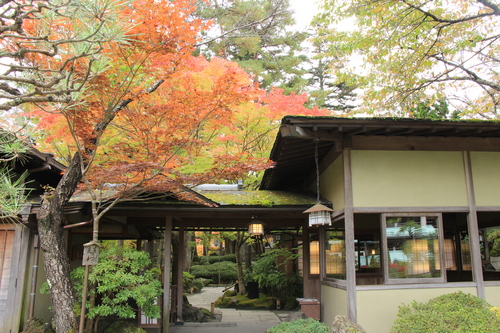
<point x="57" y="268"/>
<point x="53" y="245"/>
<point x="240" y="240"/>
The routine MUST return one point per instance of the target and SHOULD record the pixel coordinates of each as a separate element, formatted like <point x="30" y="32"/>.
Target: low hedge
<point x="213" y="259"/>
<point x="226" y="270"/>
<point x="308" y="325"/>
<point x="455" y="312"/>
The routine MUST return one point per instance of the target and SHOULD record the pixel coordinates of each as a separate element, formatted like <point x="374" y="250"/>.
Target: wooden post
<point x="84" y="299"/>
<point x="180" y="273"/>
<point x="166" y="274"/>
<point x="475" y="250"/>
<point x="306" y="260"/>
<point x="349" y="238"/>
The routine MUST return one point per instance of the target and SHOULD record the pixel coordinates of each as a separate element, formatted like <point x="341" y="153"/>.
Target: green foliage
<point x="223" y="272"/>
<point x="121" y="276"/>
<point x="192" y="285"/>
<point x="256" y="34"/>
<point x="270" y="272"/>
<point x="455" y="312"/>
<point x="308" y="325"/>
<point x="402" y="52"/>
<point x="493" y="238"/>
<point x="13" y="193"/>
<point x="433" y="111"/>
<point x="213" y="259"/>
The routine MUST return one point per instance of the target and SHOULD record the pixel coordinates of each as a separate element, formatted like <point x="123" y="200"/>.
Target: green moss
<point x="261" y="303"/>
<point x="242" y="302"/>
<point x="257" y="198"/>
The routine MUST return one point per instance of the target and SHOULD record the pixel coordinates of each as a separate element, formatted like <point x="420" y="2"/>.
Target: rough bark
<point x="240" y="240"/>
<point x="52" y="243"/>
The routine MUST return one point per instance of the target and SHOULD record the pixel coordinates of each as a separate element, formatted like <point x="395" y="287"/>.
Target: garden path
<point x="240" y="321"/>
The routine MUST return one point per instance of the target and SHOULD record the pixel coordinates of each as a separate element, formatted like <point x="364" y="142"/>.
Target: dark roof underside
<point x="293" y="150"/>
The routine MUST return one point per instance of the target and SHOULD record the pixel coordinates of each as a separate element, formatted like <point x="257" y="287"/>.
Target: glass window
<point x="412" y="248"/>
<point x="335" y="254"/>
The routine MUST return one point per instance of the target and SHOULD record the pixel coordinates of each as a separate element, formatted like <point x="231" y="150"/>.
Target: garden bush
<point x="455" y="312"/>
<point x="213" y="259"/>
<point x="224" y="270"/>
<point x="270" y="272"/>
<point x="308" y="325"/>
<point x="191" y="284"/>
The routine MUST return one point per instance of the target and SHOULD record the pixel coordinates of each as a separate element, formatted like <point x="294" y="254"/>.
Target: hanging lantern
<point x="256" y="228"/>
<point x="319" y="215"/>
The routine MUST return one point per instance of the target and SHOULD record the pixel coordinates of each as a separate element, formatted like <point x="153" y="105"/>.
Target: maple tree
<point x="404" y="52"/>
<point x="78" y="86"/>
<point x="255" y="124"/>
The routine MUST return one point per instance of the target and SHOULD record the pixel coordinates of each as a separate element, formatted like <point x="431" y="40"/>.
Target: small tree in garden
<point x="270" y="273"/>
<point x="124" y="281"/>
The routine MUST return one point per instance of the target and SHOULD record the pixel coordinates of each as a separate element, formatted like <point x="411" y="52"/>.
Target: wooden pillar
<point x="349" y="238"/>
<point x="166" y="274"/>
<point x="475" y="249"/>
<point x="180" y="271"/>
<point x="20" y="249"/>
<point x="306" y="260"/>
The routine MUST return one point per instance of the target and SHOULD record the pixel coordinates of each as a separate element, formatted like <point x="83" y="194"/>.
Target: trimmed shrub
<point x="214" y="259"/>
<point x="308" y="325"/>
<point x="455" y="312"/>
<point x="225" y="270"/>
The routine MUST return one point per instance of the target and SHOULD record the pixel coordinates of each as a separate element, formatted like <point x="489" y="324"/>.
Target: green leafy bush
<point x="213" y="259"/>
<point x="455" y="312"/>
<point x="270" y="272"/>
<point x="308" y="325"/>
<point x="191" y="284"/>
<point x="224" y="270"/>
<point x="123" y="280"/>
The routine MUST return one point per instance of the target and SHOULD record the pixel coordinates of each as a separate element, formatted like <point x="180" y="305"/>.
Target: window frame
<point x="322" y="249"/>
<point x="385" y="250"/>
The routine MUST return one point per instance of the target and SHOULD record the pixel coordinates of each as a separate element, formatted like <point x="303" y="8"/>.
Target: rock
<point x="194" y="314"/>
<point x="37" y="325"/>
<point x="123" y="327"/>
<point x="295" y="316"/>
<point x="342" y="324"/>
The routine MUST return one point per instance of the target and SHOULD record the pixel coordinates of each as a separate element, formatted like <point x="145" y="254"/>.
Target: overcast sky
<point x="304" y="12"/>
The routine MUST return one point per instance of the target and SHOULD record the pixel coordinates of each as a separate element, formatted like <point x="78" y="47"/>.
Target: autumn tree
<point x="81" y="66"/>
<point x="257" y="35"/>
<point x="401" y="52"/>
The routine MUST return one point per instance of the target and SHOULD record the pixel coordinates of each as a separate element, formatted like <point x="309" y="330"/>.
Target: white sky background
<point x="304" y="12"/>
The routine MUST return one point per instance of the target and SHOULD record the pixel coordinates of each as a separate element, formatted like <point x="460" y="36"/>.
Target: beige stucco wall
<point x="492" y="295"/>
<point x="332" y="184"/>
<point x="333" y="303"/>
<point x="377" y="309"/>
<point x="408" y="179"/>
<point x="485" y="171"/>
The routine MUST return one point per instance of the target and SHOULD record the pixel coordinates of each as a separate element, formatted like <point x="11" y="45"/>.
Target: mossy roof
<point x="263" y="198"/>
<point x="258" y="198"/>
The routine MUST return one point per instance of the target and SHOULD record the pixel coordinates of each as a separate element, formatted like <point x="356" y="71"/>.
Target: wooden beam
<point x="166" y="274"/>
<point x="292" y="131"/>
<point x="427" y="143"/>
<point x="475" y="250"/>
<point x="350" y="247"/>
